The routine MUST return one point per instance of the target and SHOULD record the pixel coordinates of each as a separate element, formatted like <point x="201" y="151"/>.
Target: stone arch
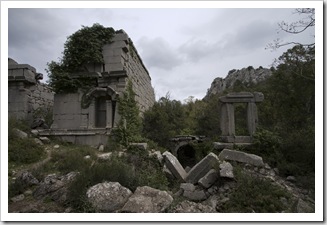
<point x="104" y="104"/>
<point x="186" y="155"/>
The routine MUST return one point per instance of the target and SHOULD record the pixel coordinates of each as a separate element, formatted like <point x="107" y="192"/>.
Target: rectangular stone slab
<point x="243" y="157"/>
<point x="174" y="166"/>
<point x="202" y="168"/>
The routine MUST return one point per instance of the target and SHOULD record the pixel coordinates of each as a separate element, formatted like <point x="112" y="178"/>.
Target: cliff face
<point x="246" y="76"/>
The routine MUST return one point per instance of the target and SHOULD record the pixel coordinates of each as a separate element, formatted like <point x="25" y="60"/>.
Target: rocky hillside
<point x="246" y="76"/>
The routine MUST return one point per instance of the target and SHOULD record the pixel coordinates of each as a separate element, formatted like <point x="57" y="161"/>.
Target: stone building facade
<point x="87" y="116"/>
<point x="26" y="95"/>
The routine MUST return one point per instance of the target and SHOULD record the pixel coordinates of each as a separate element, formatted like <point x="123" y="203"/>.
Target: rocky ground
<point x="205" y="188"/>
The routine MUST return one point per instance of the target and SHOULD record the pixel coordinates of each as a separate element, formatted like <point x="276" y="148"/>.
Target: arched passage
<point x="186" y="155"/>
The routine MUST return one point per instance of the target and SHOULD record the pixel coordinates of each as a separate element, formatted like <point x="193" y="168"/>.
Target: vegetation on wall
<point x="130" y="123"/>
<point x="82" y="48"/>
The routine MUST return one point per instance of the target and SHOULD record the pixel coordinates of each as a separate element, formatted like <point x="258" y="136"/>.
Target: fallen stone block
<point x="202" y="168"/>
<point x="174" y="166"/>
<point x="209" y="179"/>
<point x="242" y="157"/>
<point x="226" y="170"/>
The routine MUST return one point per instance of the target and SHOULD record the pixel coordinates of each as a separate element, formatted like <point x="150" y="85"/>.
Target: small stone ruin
<point x="227" y="118"/>
<point x="26" y="95"/>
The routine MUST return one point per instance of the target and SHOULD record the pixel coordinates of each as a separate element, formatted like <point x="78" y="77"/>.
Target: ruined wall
<point x="121" y="55"/>
<point x="26" y="95"/>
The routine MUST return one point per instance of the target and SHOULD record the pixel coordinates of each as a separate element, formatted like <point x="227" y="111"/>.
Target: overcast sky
<point x="183" y="49"/>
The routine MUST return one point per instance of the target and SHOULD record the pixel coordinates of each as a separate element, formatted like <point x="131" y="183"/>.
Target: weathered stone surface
<point x="35" y="132"/>
<point x="242" y="157"/>
<point x="196" y="195"/>
<point x="20" y="134"/>
<point x="174" y="166"/>
<point x="187" y="187"/>
<point x="209" y="179"/>
<point x="56" y="146"/>
<point x="55" y="187"/>
<point x="45" y="140"/>
<point x="192" y="207"/>
<point x="18" y="198"/>
<point x="157" y="155"/>
<point x="148" y="200"/>
<point x="38" y="141"/>
<point x="167" y="172"/>
<point x="105" y="156"/>
<point x="27" y="179"/>
<point x="101" y="148"/>
<point x="245" y="76"/>
<point x="108" y="196"/>
<point x="202" y="168"/>
<point x="226" y="170"/>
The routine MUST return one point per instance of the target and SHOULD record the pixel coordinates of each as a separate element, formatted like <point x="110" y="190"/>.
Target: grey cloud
<point x="158" y="53"/>
<point x="195" y="50"/>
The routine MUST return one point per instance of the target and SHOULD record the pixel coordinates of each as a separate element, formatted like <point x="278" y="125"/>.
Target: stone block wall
<point x="26" y="95"/>
<point x="121" y="56"/>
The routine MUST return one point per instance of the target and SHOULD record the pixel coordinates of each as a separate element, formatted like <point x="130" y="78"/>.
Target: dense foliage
<point x="285" y="138"/>
<point x="82" y="48"/>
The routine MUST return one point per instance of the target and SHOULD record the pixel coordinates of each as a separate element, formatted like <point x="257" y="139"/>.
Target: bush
<point x="24" y="151"/>
<point x="253" y="194"/>
<point x="72" y="159"/>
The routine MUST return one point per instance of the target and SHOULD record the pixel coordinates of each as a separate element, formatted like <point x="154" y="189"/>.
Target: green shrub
<point x="253" y="194"/>
<point x="24" y="151"/>
<point x="72" y="159"/>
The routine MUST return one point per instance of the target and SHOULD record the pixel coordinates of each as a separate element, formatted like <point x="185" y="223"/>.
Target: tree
<point x="300" y="26"/>
<point x="81" y="48"/>
<point x="130" y="124"/>
<point x="164" y="120"/>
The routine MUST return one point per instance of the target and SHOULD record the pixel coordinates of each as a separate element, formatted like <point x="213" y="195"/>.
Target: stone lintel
<point x="242" y="97"/>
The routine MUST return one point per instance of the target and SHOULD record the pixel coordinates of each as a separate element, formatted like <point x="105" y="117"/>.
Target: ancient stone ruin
<point x="26" y="95"/>
<point x="227" y="119"/>
<point x="87" y="117"/>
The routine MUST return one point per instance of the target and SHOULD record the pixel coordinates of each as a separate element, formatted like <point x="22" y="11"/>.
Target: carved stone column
<point x="92" y="114"/>
<point x="227" y="120"/>
<point x="117" y="116"/>
<point x="109" y="114"/>
<point x="252" y="117"/>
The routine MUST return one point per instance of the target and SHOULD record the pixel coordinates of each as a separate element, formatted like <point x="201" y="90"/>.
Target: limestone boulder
<point x="226" y="170"/>
<point x="238" y="156"/>
<point x="192" y="207"/>
<point x="108" y="196"/>
<point x="202" y="168"/>
<point x="148" y="200"/>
